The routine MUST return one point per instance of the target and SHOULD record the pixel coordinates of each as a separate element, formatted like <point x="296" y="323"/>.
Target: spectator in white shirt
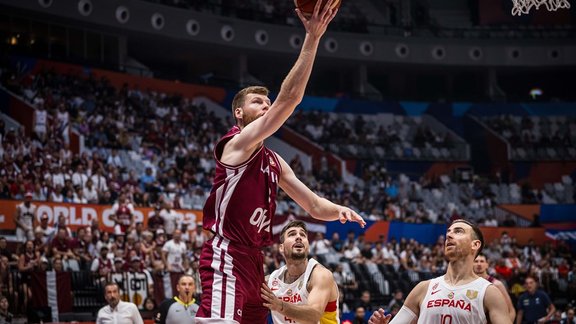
<point x="90" y="193"/>
<point x="320" y="246"/>
<point x="99" y="180"/>
<point x="173" y="252"/>
<point x="171" y="219"/>
<point x="56" y="176"/>
<point x="79" y="177"/>
<point x="117" y="311"/>
<point x="56" y="195"/>
<point x="114" y="159"/>
<point x="79" y="196"/>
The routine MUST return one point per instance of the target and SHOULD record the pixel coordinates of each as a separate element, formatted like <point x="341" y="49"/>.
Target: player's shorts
<point x="231" y="276"/>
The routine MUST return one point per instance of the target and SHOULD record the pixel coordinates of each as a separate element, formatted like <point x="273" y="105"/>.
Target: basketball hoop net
<point x="522" y="7"/>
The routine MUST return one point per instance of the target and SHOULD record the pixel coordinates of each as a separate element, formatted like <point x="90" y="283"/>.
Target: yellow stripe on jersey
<point x="330" y="313"/>
<point x="329" y="318"/>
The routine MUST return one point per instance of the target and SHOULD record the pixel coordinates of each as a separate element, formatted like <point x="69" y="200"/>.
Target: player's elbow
<point x="315" y="317"/>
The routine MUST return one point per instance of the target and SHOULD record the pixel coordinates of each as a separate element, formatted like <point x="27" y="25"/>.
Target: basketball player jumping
<point x="241" y="206"/>
<point x="459" y="296"/>
<point x="302" y="290"/>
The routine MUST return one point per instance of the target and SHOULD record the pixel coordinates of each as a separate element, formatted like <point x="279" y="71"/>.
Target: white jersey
<point x="26" y="214"/>
<point x="174" y="252"/>
<point x="446" y="304"/>
<point x="297" y="293"/>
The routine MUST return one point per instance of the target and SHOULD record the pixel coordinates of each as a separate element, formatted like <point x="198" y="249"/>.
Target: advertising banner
<point x="80" y="215"/>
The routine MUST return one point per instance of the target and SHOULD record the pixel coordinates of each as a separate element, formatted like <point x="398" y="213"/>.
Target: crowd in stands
<point x="549" y="138"/>
<point x="369" y="274"/>
<point x="156" y="149"/>
<point x="171" y="167"/>
<point x="375" y="137"/>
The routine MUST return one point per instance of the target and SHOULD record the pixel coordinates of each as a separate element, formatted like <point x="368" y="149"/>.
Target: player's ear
<point x="281" y="248"/>
<point x="476" y="244"/>
<point x="238" y="112"/>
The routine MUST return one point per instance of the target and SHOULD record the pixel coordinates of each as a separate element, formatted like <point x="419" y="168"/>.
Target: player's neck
<point x="459" y="273"/>
<point x="294" y="270"/>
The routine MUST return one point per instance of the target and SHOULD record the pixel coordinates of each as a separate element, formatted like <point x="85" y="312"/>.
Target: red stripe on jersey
<point x="331" y="306"/>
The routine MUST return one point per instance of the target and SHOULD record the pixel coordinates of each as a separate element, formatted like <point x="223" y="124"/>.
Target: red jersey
<point x="242" y="201"/>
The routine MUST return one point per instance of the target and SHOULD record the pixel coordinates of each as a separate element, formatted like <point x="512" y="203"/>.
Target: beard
<point x="247" y="119"/>
<point x="297" y="256"/>
<point x="455" y="253"/>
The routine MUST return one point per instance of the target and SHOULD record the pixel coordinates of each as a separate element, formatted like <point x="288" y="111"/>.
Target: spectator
<point x="123" y="215"/>
<point x="365" y="301"/>
<point x="24" y="219"/>
<point x="90" y="193"/>
<point x="28" y="262"/>
<point x="46" y="230"/>
<point x="173" y="253"/>
<point x="359" y="316"/>
<point x="336" y="243"/>
<point x="5" y="251"/>
<point x="102" y="265"/>
<point x="570" y="319"/>
<point x="79" y="178"/>
<point x="5" y="315"/>
<point x="155" y="221"/>
<point x="62" y="250"/>
<point x="198" y="238"/>
<point x="147" y="179"/>
<point x="99" y="180"/>
<point x="320" y="247"/>
<point x="62" y="223"/>
<point x="397" y="301"/>
<point x="149" y="308"/>
<point x="534" y="305"/>
<point x="171" y="219"/>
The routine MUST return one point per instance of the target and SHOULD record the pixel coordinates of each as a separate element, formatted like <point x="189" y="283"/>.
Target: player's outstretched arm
<point x="316" y="206"/>
<point x="495" y="306"/>
<point x="293" y="87"/>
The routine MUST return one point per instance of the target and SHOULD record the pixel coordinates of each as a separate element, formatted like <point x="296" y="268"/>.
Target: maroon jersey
<point x="242" y="201"/>
<point x="105" y="264"/>
<point x="124" y="217"/>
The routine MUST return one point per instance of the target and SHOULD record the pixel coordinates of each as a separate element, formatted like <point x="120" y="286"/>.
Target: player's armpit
<point x="416" y="296"/>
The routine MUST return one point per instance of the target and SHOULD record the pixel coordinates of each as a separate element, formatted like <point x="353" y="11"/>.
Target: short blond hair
<point x="239" y="98"/>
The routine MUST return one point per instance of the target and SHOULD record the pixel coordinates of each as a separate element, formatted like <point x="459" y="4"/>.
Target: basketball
<point x="307" y="6"/>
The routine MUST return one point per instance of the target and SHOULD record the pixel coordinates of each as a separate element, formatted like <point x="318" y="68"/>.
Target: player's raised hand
<point x="348" y="215"/>
<point x="317" y="23"/>
<point x="379" y="317"/>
